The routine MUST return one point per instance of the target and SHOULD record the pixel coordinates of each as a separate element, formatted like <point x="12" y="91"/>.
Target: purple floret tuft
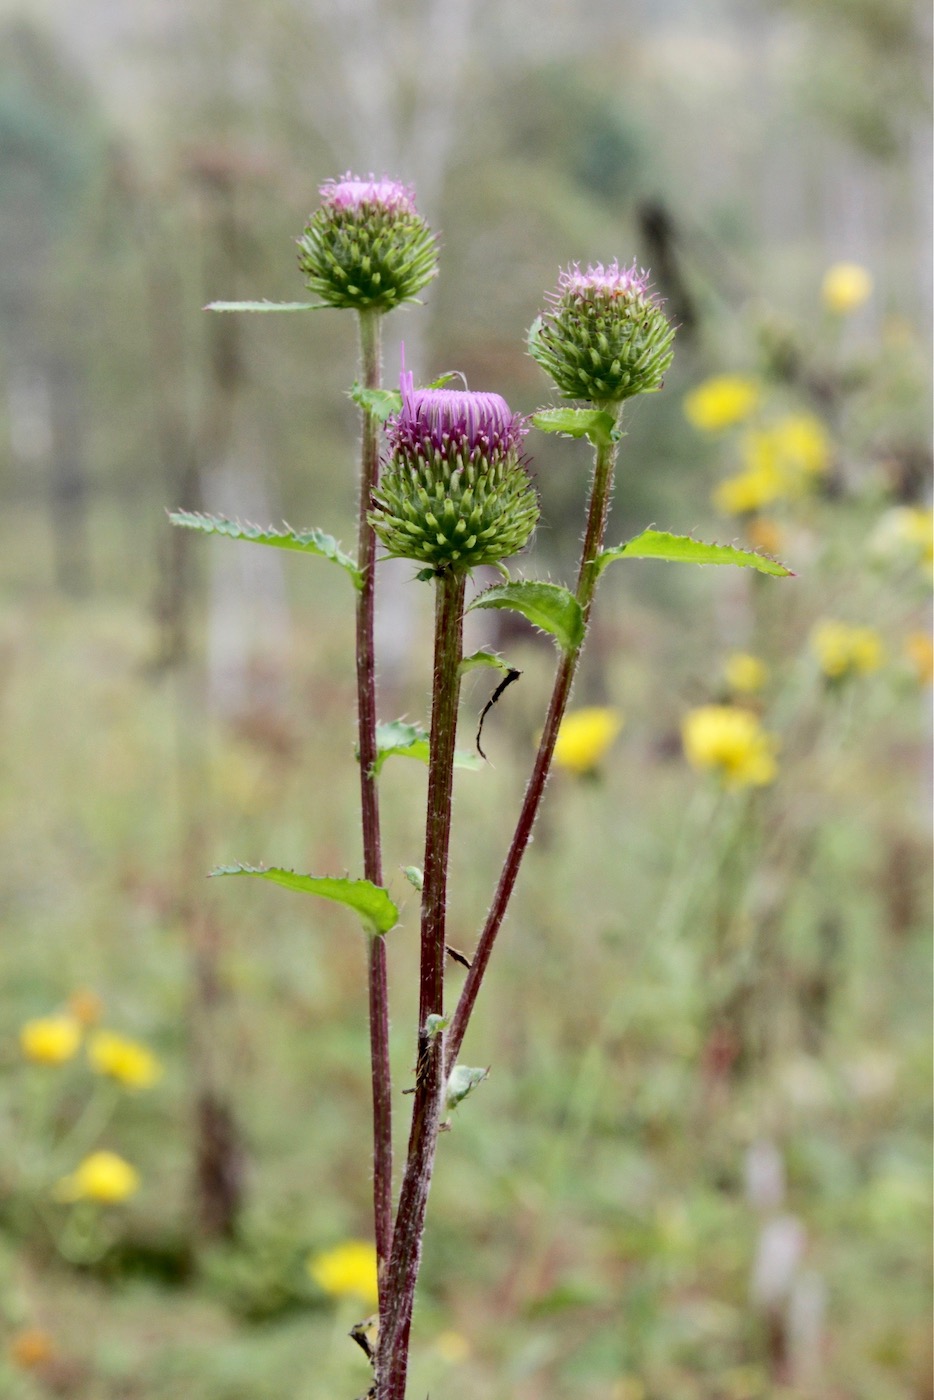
<point x="350" y="192"/>
<point x="611" y="280"/>
<point x="442" y="416"/>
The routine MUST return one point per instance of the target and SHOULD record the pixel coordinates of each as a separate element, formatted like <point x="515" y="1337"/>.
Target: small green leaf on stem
<point x="593" y="423"/>
<point x="461" y="1081"/>
<point x="485" y="658"/>
<point x="435" y="1024"/>
<point x="547" y="606"/>
<point x="410" y="741"/>
<point x="415" y="876"/>
<point x="264" y="306"/>
<point x="371" y="902"/>
<point x="659" y="544"/>
<point x="382" y="403"/>
<point x="305" y="541"/>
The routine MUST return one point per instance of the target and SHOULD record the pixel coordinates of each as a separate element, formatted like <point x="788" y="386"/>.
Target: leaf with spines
<point x="483" y="657"/>
<point x="382" y="403"/>
<point x="398" y="737"/>
<point x="593" y="423"/>
<point x="370" y="902"/>
<point x="547" y="606"/>
<point x="264" y="306"/>
<point x="659" y="544"/>
<point x="305" y="541"/>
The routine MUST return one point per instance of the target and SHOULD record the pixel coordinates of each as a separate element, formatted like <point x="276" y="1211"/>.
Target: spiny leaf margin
<point x="684" y="549"/>
<point x="547" y="606"/>
<point x="371" y="902"/>
<point x="311" y="541"/>
<point x="593" y="423"/>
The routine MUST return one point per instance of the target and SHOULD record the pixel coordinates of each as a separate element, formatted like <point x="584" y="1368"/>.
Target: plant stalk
<point x="405" y="1258"/>
<point x="601" y="490"/>
<point x="378" y="987"/>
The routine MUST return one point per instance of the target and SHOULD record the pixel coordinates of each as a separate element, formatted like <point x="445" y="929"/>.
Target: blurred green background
<point x="700" y="1167"/>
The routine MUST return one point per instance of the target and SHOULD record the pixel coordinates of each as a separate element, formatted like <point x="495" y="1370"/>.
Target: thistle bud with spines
<point x="604" y="336"/>
<point x="367" y="248"/>
<point x="455" y="492"/>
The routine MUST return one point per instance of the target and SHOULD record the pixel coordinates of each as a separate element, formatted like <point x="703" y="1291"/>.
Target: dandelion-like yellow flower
<point x="846" y="286"/>
<point x="347" y="1271"/>
<point x="721" y="402"/>
<point x="745" y="674"/>
<point x="843" y="650"/>
<point x="30" y="1348"/>
<point x="780" y="462"/>
<point x="748" y="491"/>
<point x="585" y="738"/>
<point x="732" y="743"/>
<point x="50" y="1040"/>
<point x="104" y="1177"/>
<point x="919" y="650"/>
<point x="799" y="444"/>
<point x="130" y="1063"/>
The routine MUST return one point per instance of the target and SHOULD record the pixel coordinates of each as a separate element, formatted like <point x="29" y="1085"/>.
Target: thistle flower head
<point x="603" y="337"/>
<point x="455" y="492"/>
<point x="367" y="248"/>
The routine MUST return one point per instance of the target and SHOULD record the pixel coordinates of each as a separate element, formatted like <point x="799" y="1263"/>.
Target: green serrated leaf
<point x="462" y="1081"/>
<point x="659" y="544"/>
<point x="484" y="658"/>
<point x="547" y="606"/>
<point x="593" y="423"/>
<point x="264" y="306"/>
<point x="382" y="403"/>
<point x="397" y="737"/>
<point x="371" y="902"/>
<point x="305" y="541"/>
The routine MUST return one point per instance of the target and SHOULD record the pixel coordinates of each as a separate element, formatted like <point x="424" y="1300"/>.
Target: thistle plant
<point x="451" y="491"/>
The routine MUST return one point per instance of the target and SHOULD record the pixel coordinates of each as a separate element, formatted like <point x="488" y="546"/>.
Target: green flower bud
<point x="367" y="248"/>
<point x="455" y="492"/>
<point x="605" y="337"/>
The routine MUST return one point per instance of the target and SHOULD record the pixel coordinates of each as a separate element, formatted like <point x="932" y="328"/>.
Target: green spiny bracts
<point x="605" y="337"/>
<point x="455" y="492"/>
<point x="367" y="248"/>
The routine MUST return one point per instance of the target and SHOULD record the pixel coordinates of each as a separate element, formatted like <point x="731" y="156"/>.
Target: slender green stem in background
<point x="405" y="1258"/>
<point x="370" y="363"/>
<point x="601" y="491"/>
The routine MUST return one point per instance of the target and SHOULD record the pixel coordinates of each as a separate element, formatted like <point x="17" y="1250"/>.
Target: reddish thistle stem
<point x="405" y="1258"/>
<point x="600" y="494"/>
<point x="369" y="801"/>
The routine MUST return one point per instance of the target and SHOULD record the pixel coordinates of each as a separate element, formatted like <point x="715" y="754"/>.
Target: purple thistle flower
<point x="455" y="492"/>
<point x="350" y="192"/>
<point x="438" y="419"/>
<point x="611" y="281"/>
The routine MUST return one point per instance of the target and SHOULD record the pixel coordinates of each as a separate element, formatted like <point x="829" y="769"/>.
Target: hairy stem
<point x="378" y="989"/>
<point x="601" y="490"/>
<point x="402" y="1274"/>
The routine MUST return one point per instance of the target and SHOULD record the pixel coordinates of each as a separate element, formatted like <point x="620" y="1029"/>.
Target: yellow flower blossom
<point x="104" y="1177"/>
<point x="86" y="1006"/>
<point x="780" y="462"/>
<point x="748" y="491"/>
<point x="452" y="1347"/>
<point x="50" y="1040"/>
<point x="732" y="742"/>
<point x="843" y="650"/>
<point x="30" y="1348"/>
<point x="347" y="1271"/>
<point x="846" y="286"/>
<point x="721" y="402"/>
<point x="585" y="737"/>
<point x="745" y="674"/>
<point x="130" y="1063"/>
<point x="919" y="650"/>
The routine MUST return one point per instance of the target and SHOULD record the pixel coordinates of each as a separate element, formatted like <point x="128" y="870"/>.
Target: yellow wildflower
<point x="732" y="742"/>
<point x="745" y="674"/>
<point x="842" y="650"/>
<point x="452" y="1347"/>
<point x="102" y="1177"/>
<point x="748" y="491"/>
<point x="347" y="1271"/>
<point x="86" y="1006"/>
<point x="30" y="1348"/>
<point x="50" y="1040"/>
<point x="919" y="650"/>
<point x="845" y="287"/>
<point x="721" y="402"/>
<point x="130" y="1063"/>
<point x="585" y="737"/>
